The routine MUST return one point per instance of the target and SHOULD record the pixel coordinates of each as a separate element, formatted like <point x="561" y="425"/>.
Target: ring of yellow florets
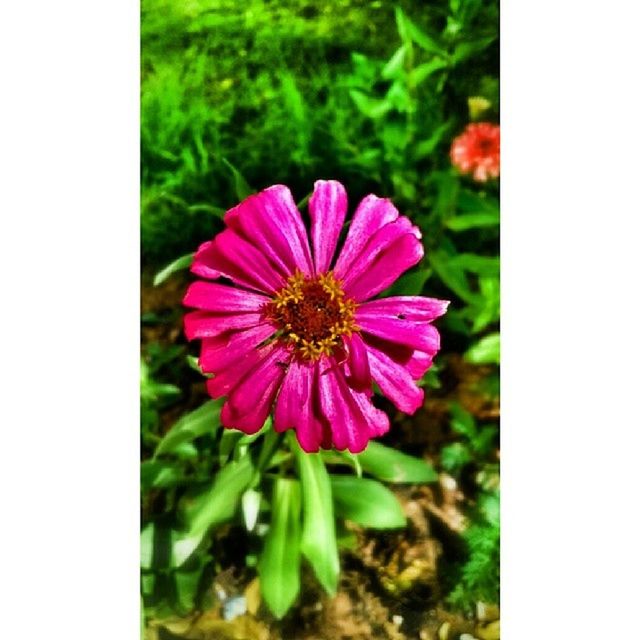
<point x="312" y="314"/>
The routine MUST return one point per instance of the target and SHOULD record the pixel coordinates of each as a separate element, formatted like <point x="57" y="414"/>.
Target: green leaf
<point x="489" y="310"/>
<point x="454" y="456"/>
<point x="370" y="107"/>
<point x="156" y="474"/>
<point x="215" y="506"/>
<point x="423" y="71"/>
<point x="482" y="265"/>
<point x="394" y="466"/>
<point x="279" y="563"/>
<point x="485" y="351"/>
<point x="395" y="64"/>
<point x="408" y="30"/>
<point x="319" y="545"/>
<point x="146" y="546"/>
<point x="240" y="185"/>
<point x="473" y="221"/>
<point x="205" y="419"/>
<point x="366" y="502"/>
<point x="465" y="50"/>
<point x="462" y="421"/>
<point x="184" y="262"/>
<point x="452" y="275"/>
<point x="187" y="588"/>
<point x="471" y="202"/>
<point x="410" y="284"/>
<point x="426" y="147"/>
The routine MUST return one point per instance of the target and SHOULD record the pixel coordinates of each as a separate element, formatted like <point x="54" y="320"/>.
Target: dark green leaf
<point x="240" y="185"/>
<point x="410" y="284"/>
<point x="426" y="147"/>
<point x="279" y="563"/>
<point x="318" y="529"/>
<point x="366" y="502"/>
<point x="452" y="275"/>
<point x="394" y="466"/>
<point x="467" y="49"/>
<point x="408" y="30"/>
<point x="187" y="588"/>
<point x="462" y="421"/>
<point x="215" y="506"/>
<point x="156" y="474"/>
<point x="184" y="262"/>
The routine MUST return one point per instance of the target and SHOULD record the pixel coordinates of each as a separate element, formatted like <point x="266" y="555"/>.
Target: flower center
<point x="312" y="313"/>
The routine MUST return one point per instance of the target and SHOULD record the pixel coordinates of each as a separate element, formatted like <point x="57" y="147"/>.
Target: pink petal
<point x="222" y="351"/>
<point x="404" y="307"/>
<point x="328" y="209"/>
<point x="418" y="364"/>
<point x="271" y="221"/>
<point x="227" y="379"/>
<point x="389" y="253"/>
<point x="295" y="406"/>
<point x="238" y="260"/>
<point x="201" y="264"/>
<point x="377" y="420"/>
<point x="395" y="381"/>
<point x="372" y="214"/>
<point x="354" y="421"/>
<point x="360" y="375"/>
<point x="250" y="401"/>
<point x="203" y="324"/>
<point x="417" y="335"/>
<point x="212" y="296"/>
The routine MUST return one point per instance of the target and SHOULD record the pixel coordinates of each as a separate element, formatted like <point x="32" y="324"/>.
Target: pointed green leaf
<point x="366" y="502"/>
<point x="215" y="506"/>
<point x="423" y="71"/>
<point x="205" y="419"/>
<point x="394" y="66"/>
<point x="184" y="262"/>
<point x="394" y="466"/>
<point x="408" y="30"/>
<point x="318" y="544"/>
<point x="279" y="563"/>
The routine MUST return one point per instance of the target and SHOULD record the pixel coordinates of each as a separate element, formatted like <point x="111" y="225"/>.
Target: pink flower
<point x="477" y="150"/>
<point x="296" y="332"/>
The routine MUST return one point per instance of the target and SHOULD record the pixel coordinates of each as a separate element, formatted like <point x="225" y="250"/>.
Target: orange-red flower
<point x="477" y="151"/>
